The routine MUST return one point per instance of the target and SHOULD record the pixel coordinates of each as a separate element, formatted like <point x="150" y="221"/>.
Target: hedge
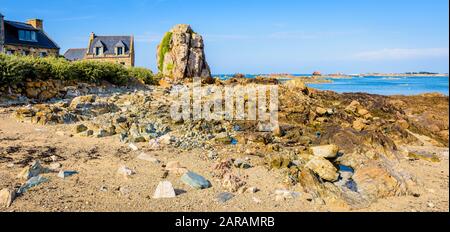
<point x="16" y="69"/>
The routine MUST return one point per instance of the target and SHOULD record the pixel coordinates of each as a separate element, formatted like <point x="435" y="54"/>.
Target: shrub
<point x="16" y="69"/>
<point x="164" y="48"/>
<point x="143" y="74"/>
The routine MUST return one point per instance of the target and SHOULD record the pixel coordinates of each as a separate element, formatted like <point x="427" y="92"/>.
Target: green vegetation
<point x="163" y="49"/>
<point x="16" y="69"/>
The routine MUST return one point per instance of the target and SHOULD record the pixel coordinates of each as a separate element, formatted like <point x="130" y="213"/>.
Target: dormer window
<point x="27" y="35"/>
<point x="120" y="51"/>
<point x="98" y="51"/>
<point x="99" y="48"/>
<point x="120" y="48"/>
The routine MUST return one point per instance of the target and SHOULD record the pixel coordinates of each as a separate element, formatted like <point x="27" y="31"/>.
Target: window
<point x="98" y="51"/>
<point x="122" y="63"/>
<point x="43" y="54"/>
<point x="119" y="51"/>
<point x="27" y="35"/>
<point x="9" y="52"/>
<point x="25" y="53"/>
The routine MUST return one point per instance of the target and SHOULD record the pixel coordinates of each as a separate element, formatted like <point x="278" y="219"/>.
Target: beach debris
<point x="31" y="171"/>
<point x="164" y="190"/>
<point x="324" y="168"/>
<point x="63" y="174"/>
<point x="125" y="171"/>
<point x="224" y="197"/>
<point x="325" y="151"/>
<point x="195" y="180"/>
<point x="7" y="196"/>
<point x="32" y="182"/>
<point x="148" y="157"/>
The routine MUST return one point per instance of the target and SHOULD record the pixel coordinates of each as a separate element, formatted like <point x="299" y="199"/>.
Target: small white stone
<point x="133" y="147"/>
<point x="125" y="171"/>
<point x="7" y="197"/>
<point x="164" y="190"/>
<point x="256" y="200"/>
<point x="431" y="205"/>
<point x="149" y="158"/>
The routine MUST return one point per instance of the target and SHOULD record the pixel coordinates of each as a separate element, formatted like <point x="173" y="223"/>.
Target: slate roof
<point x="12" y="35"/>
<point x="74" y="54"/>
<point x="110" y="42"/>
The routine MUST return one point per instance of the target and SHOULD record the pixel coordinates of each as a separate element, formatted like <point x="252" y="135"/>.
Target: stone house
<point x="114" y="49"/>
<point x="26" y="38"/>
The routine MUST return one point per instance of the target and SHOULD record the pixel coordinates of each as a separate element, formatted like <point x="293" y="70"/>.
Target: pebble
<point x="63" y="174"/>
<point x="55" y="166"/>
<point x="125" y="171"/>
<point x="164" y="190"/>
<point x="239" y="163"/>
<point x="256" y="200"/>
<point x="149" y="158"/>
<point x="430" y="205"/>
<point x="281" y="195"/>
<point x="224" y="197"/>
<point x="133" y="147"/>
<point x="7" y="196"/>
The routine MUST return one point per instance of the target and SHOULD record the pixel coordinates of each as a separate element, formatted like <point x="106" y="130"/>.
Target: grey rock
<point x="195" y="181"/>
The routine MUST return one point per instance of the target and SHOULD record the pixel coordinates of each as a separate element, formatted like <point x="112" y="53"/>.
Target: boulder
<point x="326" y="151"/>
<point x="31" y="171"/>
<point x="324" y="168"/>
<point x="181" y="54"/>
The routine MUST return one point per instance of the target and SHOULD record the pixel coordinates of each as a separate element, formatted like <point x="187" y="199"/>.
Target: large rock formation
<point x="181" y="54"/>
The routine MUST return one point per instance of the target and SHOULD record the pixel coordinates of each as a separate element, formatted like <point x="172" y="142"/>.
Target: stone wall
<point x="34" y="51"/>
<point x="44" y="90"/>
<point x="125" y="60"/>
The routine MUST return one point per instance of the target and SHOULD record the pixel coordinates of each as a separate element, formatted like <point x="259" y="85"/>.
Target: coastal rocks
<point x="195" y="181"/>
<point x="380" y="182"/>
<point x="164" y="190"/>
<point x="31" y="171"/>
<point x="323" y="168"/>
<point x="32" y="182"/>
<point x="326" y="151"/>
<point x="7" y="196"/>
<point x="181" y="54"/>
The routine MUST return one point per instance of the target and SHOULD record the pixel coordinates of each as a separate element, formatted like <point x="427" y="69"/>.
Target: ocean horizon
<point x="382" y="85"/>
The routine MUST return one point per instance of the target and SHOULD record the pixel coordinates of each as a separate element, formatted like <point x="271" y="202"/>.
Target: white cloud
<point x="403" y="53"/>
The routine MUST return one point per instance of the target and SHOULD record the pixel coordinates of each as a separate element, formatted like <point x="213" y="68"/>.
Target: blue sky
<point x="263" y="36"/>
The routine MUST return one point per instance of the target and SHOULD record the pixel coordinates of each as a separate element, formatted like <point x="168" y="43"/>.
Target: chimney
<point x="2" y="32"/>
<point x="92" y="36"/>
<point x="36" y="23"/>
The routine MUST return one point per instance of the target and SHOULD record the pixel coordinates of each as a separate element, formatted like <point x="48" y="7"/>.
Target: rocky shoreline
<point x="344" y="150"/>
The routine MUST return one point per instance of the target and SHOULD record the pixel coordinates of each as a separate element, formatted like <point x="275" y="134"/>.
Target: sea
<point x="382" y="85"/>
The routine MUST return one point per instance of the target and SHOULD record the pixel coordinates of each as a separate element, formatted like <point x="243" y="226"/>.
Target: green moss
<point x="164" y="48"/>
